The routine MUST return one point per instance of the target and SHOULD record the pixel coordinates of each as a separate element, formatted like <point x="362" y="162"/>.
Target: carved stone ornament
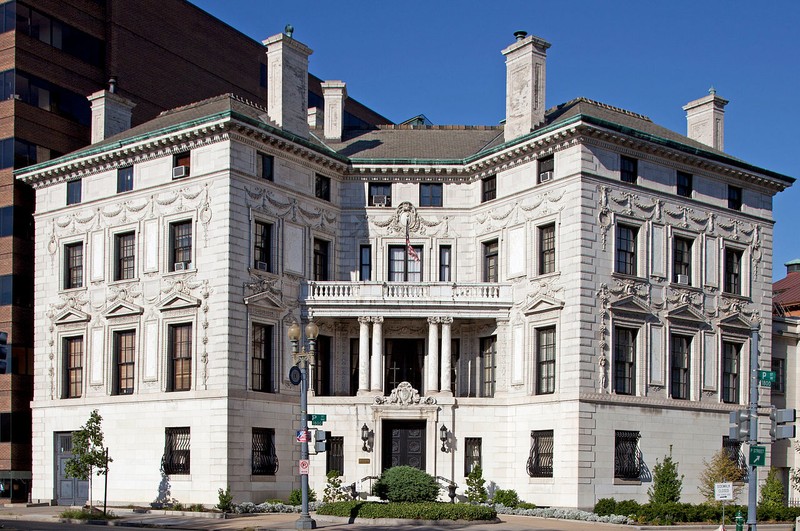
<point x="404" y="395"/>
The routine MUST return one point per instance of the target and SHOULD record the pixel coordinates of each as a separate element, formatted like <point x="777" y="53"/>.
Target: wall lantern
<point x="443" y="436"/>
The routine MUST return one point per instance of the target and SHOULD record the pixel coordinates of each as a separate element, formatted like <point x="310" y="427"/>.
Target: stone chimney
<point x="287" y="82"/>
<point x="111" y="113"/>
<point x="334" y="92"/>
<point x="525" y="83"/>
<point x="705" y="120"/>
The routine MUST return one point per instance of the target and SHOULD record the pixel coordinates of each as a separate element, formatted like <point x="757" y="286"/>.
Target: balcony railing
<point x="349" y="293"/>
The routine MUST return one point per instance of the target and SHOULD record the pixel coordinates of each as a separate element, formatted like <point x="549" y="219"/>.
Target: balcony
<point x="405" y="299"/>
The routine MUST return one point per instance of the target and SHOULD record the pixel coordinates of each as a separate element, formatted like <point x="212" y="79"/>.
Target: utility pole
<point x="752" y="488"/>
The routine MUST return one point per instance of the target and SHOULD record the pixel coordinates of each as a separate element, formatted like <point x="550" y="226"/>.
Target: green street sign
<point x="767" y="376"/>
<point x="758" y="455"/>
<point x="317" y="420"/>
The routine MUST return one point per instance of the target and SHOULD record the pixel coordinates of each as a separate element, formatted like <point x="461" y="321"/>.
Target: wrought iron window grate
<point x="627" y="456"/>
<point x="265" y="460"/>
<point x="176" y="451"/>
<point x="540" y="460"/>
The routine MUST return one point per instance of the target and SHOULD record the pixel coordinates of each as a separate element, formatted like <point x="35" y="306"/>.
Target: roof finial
<point x="288" y="30"/>
<point x="712" y="90"/>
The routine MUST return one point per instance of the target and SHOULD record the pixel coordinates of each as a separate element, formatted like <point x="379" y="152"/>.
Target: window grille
<point x="472" y="454"/>
<point x="334" y="454"/>
<point x="176" y="451"/>
<point x="540" y="460"/>
<point x="627" y="457"/>
<point x="265" y="460"/>
<point x="734" y="450"/>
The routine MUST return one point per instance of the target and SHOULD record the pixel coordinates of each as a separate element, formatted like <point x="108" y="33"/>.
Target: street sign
<point x="317" y="420"/>
<point x="302" y="436"/>
<point x="767" y="376"/>
<point x="758" y="455"/>
<point x="304" y="464"/>
<point x="723" y="491"/>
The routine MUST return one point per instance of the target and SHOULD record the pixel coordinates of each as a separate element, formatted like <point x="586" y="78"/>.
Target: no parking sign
<point x="304" y="464"/>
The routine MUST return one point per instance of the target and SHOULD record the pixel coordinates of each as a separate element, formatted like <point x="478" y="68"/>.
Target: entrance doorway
<point x="70" y="491"/>
<point x="403" y="443"/>
<point x="404" y="361"/>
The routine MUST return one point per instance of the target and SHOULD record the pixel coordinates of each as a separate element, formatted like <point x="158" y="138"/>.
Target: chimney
<point x="111" y="113"/>
<point x="334" y="92"/>
<point x="287" y="82"/>
<point x="793" y="266"/>
<point x="525" y="83"/>
<point x="705" y="120"/>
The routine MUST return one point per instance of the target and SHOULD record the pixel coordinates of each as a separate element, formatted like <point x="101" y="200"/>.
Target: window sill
<point x="617" y="274"/>
<point x="73" y="290"/>
<point x="174" y="272"/>
<point x="633" y="482"/>
<point x="263" y="478"/>
<point x="121" y="281"/>
<point x="678" y="285"/>
<point x="179" y="477"/>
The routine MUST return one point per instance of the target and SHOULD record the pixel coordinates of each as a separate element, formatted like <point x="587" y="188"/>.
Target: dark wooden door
<point x="404" y="443"/>
<point x="404" y="362"/>
<point x="70" y="491"/>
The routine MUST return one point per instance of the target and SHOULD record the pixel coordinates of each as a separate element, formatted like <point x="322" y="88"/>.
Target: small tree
<point x="89" y="453"/>
<point x="772" y="491"/>
<point x="333" y="488"/>
<point x="476" y="492"/>
<point x="667" y="485"/>
<point x="721" y="469"/>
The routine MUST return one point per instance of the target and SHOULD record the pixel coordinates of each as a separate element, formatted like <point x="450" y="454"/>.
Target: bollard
<point x="739" y="521"/>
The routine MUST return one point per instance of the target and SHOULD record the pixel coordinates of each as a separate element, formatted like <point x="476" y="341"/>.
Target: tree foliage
<point x="88" y="451"/>
<point x="333" y="488"/>
<point x="772" y="491"/>
<point x="721" y="469"/>
<point x="476" y="492"/>
<point x="667" y="485"/>
<point x="406" y="484"/>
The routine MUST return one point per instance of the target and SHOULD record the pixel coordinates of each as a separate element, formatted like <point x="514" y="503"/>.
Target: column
<point x="363" y="355"/>
<point x="375" y="369"/>
<point x="432" y="363"/>
<point x="447" y="344"/>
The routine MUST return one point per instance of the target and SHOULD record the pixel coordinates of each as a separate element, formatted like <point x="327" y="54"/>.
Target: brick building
<point x="53" y="54"/>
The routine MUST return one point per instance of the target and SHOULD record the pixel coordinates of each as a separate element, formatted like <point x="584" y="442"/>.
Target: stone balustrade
<point x="346" y="293"/>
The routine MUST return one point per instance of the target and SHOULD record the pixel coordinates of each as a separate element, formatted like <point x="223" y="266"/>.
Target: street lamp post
<point x="301" y="357"/>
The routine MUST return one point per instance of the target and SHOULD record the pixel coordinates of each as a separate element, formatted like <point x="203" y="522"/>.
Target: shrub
<point x="225" y="500"/>
<point x="605" y="506"/>
<point x="86" y="514"/>
<point x="417" y="511"/>
<point x="507" y="498"/>
<point x="296" y="497"/>
<point x="627" y="507"/>
<point x="722" y="468"/>
<point x="526" y="505"/>
<point x="333" y="488"/>
<point x="772" y="491"/>
<point x="476" y="492"/>
<point x="666" y="483"/>
<point x="406" y="484"/>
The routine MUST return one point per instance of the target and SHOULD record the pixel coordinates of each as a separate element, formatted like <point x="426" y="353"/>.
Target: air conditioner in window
<point x="683" y="279"/>
<point x="179" y="172"/>
<point x="380" y="200"/>
<point x="181" y="266"/>
<point x="545" y="176"/>
<point x="262" y="266"/>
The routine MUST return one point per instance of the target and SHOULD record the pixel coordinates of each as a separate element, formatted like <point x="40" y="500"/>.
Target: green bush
<point x="667" y="485"/>
<point x="296" y="497"/>
<point x="772" y="491"/>
<point x="225" y="500"/>
<point x="526" y="505"/>
<point x="86" y="514"/>
<point x="406" y="484"/>
<point x="507" y="498"/>
<point x="416" y="511"/>
<point x="333" y="488"/>
<point x="605" y="507"/>
<point x="476" y="492"/>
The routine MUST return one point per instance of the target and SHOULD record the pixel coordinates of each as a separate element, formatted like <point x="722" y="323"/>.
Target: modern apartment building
<point x="563" y="300"/>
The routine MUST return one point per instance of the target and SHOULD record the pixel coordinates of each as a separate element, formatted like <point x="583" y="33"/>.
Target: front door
<point x="70" y="491"/>
<point x="404" y="362"/>
<point x="404" y="443"/>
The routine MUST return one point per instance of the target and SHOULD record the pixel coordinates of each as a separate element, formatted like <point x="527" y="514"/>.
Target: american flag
<point x="411" y="252"/>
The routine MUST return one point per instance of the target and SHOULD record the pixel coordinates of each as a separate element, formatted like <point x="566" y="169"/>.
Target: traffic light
<point x="320" y="440"/>
<point x="781" y="426"/>
<point x="5" y="354"/>
<point x="740" y="430"/>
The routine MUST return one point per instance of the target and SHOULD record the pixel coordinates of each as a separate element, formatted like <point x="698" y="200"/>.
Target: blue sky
<point x="442" y="59"/>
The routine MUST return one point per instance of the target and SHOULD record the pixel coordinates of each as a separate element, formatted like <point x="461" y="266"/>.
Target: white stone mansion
<point x="566" y="298"/>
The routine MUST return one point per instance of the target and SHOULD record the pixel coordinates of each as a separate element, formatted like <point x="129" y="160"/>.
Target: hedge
<point x="414" y="511"/>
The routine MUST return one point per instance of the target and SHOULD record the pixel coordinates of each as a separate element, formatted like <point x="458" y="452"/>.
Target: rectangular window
<point x="626" y="250"/>
<point x="547" y="165"/>
<point x="627" y="456"/>
<point x="177" y="451"/>
<point x="263" y="380"/>
<point x="180" y="244"/>
<point x="73" y="265"/>
<point x="380" y="194"/>
<point x="445" y="263"/>
<point x="546" y="361"/>
<point x="628" y="169"/>
<point x="540" y="459"/>
<point x="779" y="367"/>
<point x="734" y="197"/>
<point x="322" y="187"/>
<point x="264" y="457"/>
<point x="124" y="362"/>
<point x="74" y="192"/>
<point x="680" y="357"/>
<point x="321" y="248"/>
<point x="624" y="361"/>
<point x="266" y="164"/>
<point x="472" y="454"/>
<point x="488" y="188"/>
<point x="262" y="247"/>
<point x="365" y="263"/>
<point x="57" y="34"/>
<point x="124" y="256"/>
<point x="491" y="261"/>
<point x="73" y="367"/>
<point x="180" y="355"/>
<point x="181" y="164"/>
<point x="334" y="455"/>
<point x="684" y="187"/>
<point x="488" y="365"/>
<point x="125" y="179"/>
<point x="733" y="271"/>
<point x="430" y="194"/>
<point x="682" y="261"/>
<point x="730" y="372"/>
<point x="547" y="249"/>
<point x="403" y="266"/>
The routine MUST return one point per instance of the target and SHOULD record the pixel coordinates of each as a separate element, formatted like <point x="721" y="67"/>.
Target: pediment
<point x="123" y="309"/>
<point x="265" y="299"/>
<point x="687" y="314"/>
<point x="630" y="305"/>
<point x="736" y="323"/>
<point x="178" y="301"/>
<point x="543" y="304"/>
<point x="71" y="315"/>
